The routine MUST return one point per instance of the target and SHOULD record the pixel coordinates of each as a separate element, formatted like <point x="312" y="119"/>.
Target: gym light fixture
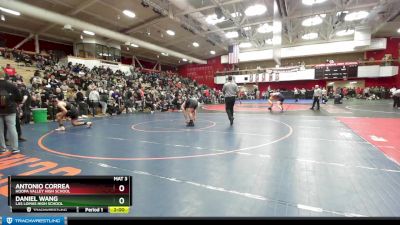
<point x="313" y="21"/>
<point x="89" y="32"/>
<point x="129" y="13"/>
<point x="265" y="28"/>
<point x="245" y="45"/>
<point x="213" y="19"/>
<point x="312" y="2"/>
<point x="10" y="11"/>
<point x="255" y="10"/>
<point x="356" y="16"/>
<point x="345" y="32"/>
<point x="170" y="32"/>
<point x="232" y="34"/>
<point x="310" y="36"/>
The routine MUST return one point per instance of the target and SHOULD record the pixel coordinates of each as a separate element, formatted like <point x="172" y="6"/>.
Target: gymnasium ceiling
<point x="187" y="18"/>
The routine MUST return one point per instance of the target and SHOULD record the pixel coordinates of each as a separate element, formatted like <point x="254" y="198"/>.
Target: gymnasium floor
<point x="340" y="161"/>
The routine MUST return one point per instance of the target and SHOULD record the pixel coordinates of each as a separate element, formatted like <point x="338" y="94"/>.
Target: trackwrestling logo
<point x="33" y="220"/>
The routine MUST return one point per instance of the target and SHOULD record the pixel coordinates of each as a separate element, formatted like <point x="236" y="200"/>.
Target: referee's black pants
<point x="229" y="103"/>
<point x="396" y="101"/>
<point x="316" y="100"/>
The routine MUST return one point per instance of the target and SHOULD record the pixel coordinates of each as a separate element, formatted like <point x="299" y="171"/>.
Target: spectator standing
<point x="324" y="93"/>
<point x="396" y="98"/>
<point x="303" y="93"/>
<point x="25" y="105"/>
<point x="103" y="101"/>
<point x="296" y="93"/>
<point x="9" y="97"/>
<point x="9" y="71"/>
<point x="94" y="99"/>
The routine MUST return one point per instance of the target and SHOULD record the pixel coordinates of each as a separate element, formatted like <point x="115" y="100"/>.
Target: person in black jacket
<point x="9" y="98"/>
<point x="19" y="112"/>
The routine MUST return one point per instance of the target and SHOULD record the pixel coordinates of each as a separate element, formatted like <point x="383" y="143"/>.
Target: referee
<point x="230" y="91"/>
<point x="316" y="96"/>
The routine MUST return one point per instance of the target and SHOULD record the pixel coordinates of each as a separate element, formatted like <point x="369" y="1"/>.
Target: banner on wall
<point x="336" y="70"/>
<point x="309" y="74"/>
<point x="276" y="76"/>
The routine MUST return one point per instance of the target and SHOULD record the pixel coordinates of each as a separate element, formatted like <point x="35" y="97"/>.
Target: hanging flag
<point x="233" y="56"/>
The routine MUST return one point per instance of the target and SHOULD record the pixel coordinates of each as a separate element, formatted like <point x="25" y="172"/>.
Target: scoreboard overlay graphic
<point x="86" y="194"/>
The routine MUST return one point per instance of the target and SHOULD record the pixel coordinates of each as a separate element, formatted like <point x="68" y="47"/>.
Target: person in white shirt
<point x="36" y="81"/>
<point x="396" y="98"/>
<point x="303" y="92"/>
<point x="324" y="95"/>
<point x="296" y="93"/>
<point x="392" y="90"/>
<point x="94" y="99"/>
<point x="316" y="96"/>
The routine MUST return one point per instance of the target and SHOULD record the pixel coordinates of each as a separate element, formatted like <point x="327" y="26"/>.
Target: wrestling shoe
<point x="61" y="128"/>
<point x="88" y="124"/>
<point x="15" y="151"/>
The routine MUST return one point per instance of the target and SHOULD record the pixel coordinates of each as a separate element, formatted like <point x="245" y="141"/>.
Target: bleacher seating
<point x="25" y="71"/>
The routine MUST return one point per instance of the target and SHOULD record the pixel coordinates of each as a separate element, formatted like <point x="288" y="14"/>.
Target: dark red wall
<point x="126" y="60"/>
<point x="397" y="80"/>
<point x="290" y="85"/>
<point x="45" y="45"/>
<point x="392" y="47"/>
<point x="204" y="74"/>
<point x="12" y="40"/>
<point x="388" y="82"/>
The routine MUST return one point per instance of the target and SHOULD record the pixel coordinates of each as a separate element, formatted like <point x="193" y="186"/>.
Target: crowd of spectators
<point x="100" y="90"/>
<point x="29" y="58"/>
<point x="370" y="93"/>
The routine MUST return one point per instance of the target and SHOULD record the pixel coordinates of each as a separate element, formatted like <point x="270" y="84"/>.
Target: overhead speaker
<point x="144" y="3"/>
<point x="219" y="13"/>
